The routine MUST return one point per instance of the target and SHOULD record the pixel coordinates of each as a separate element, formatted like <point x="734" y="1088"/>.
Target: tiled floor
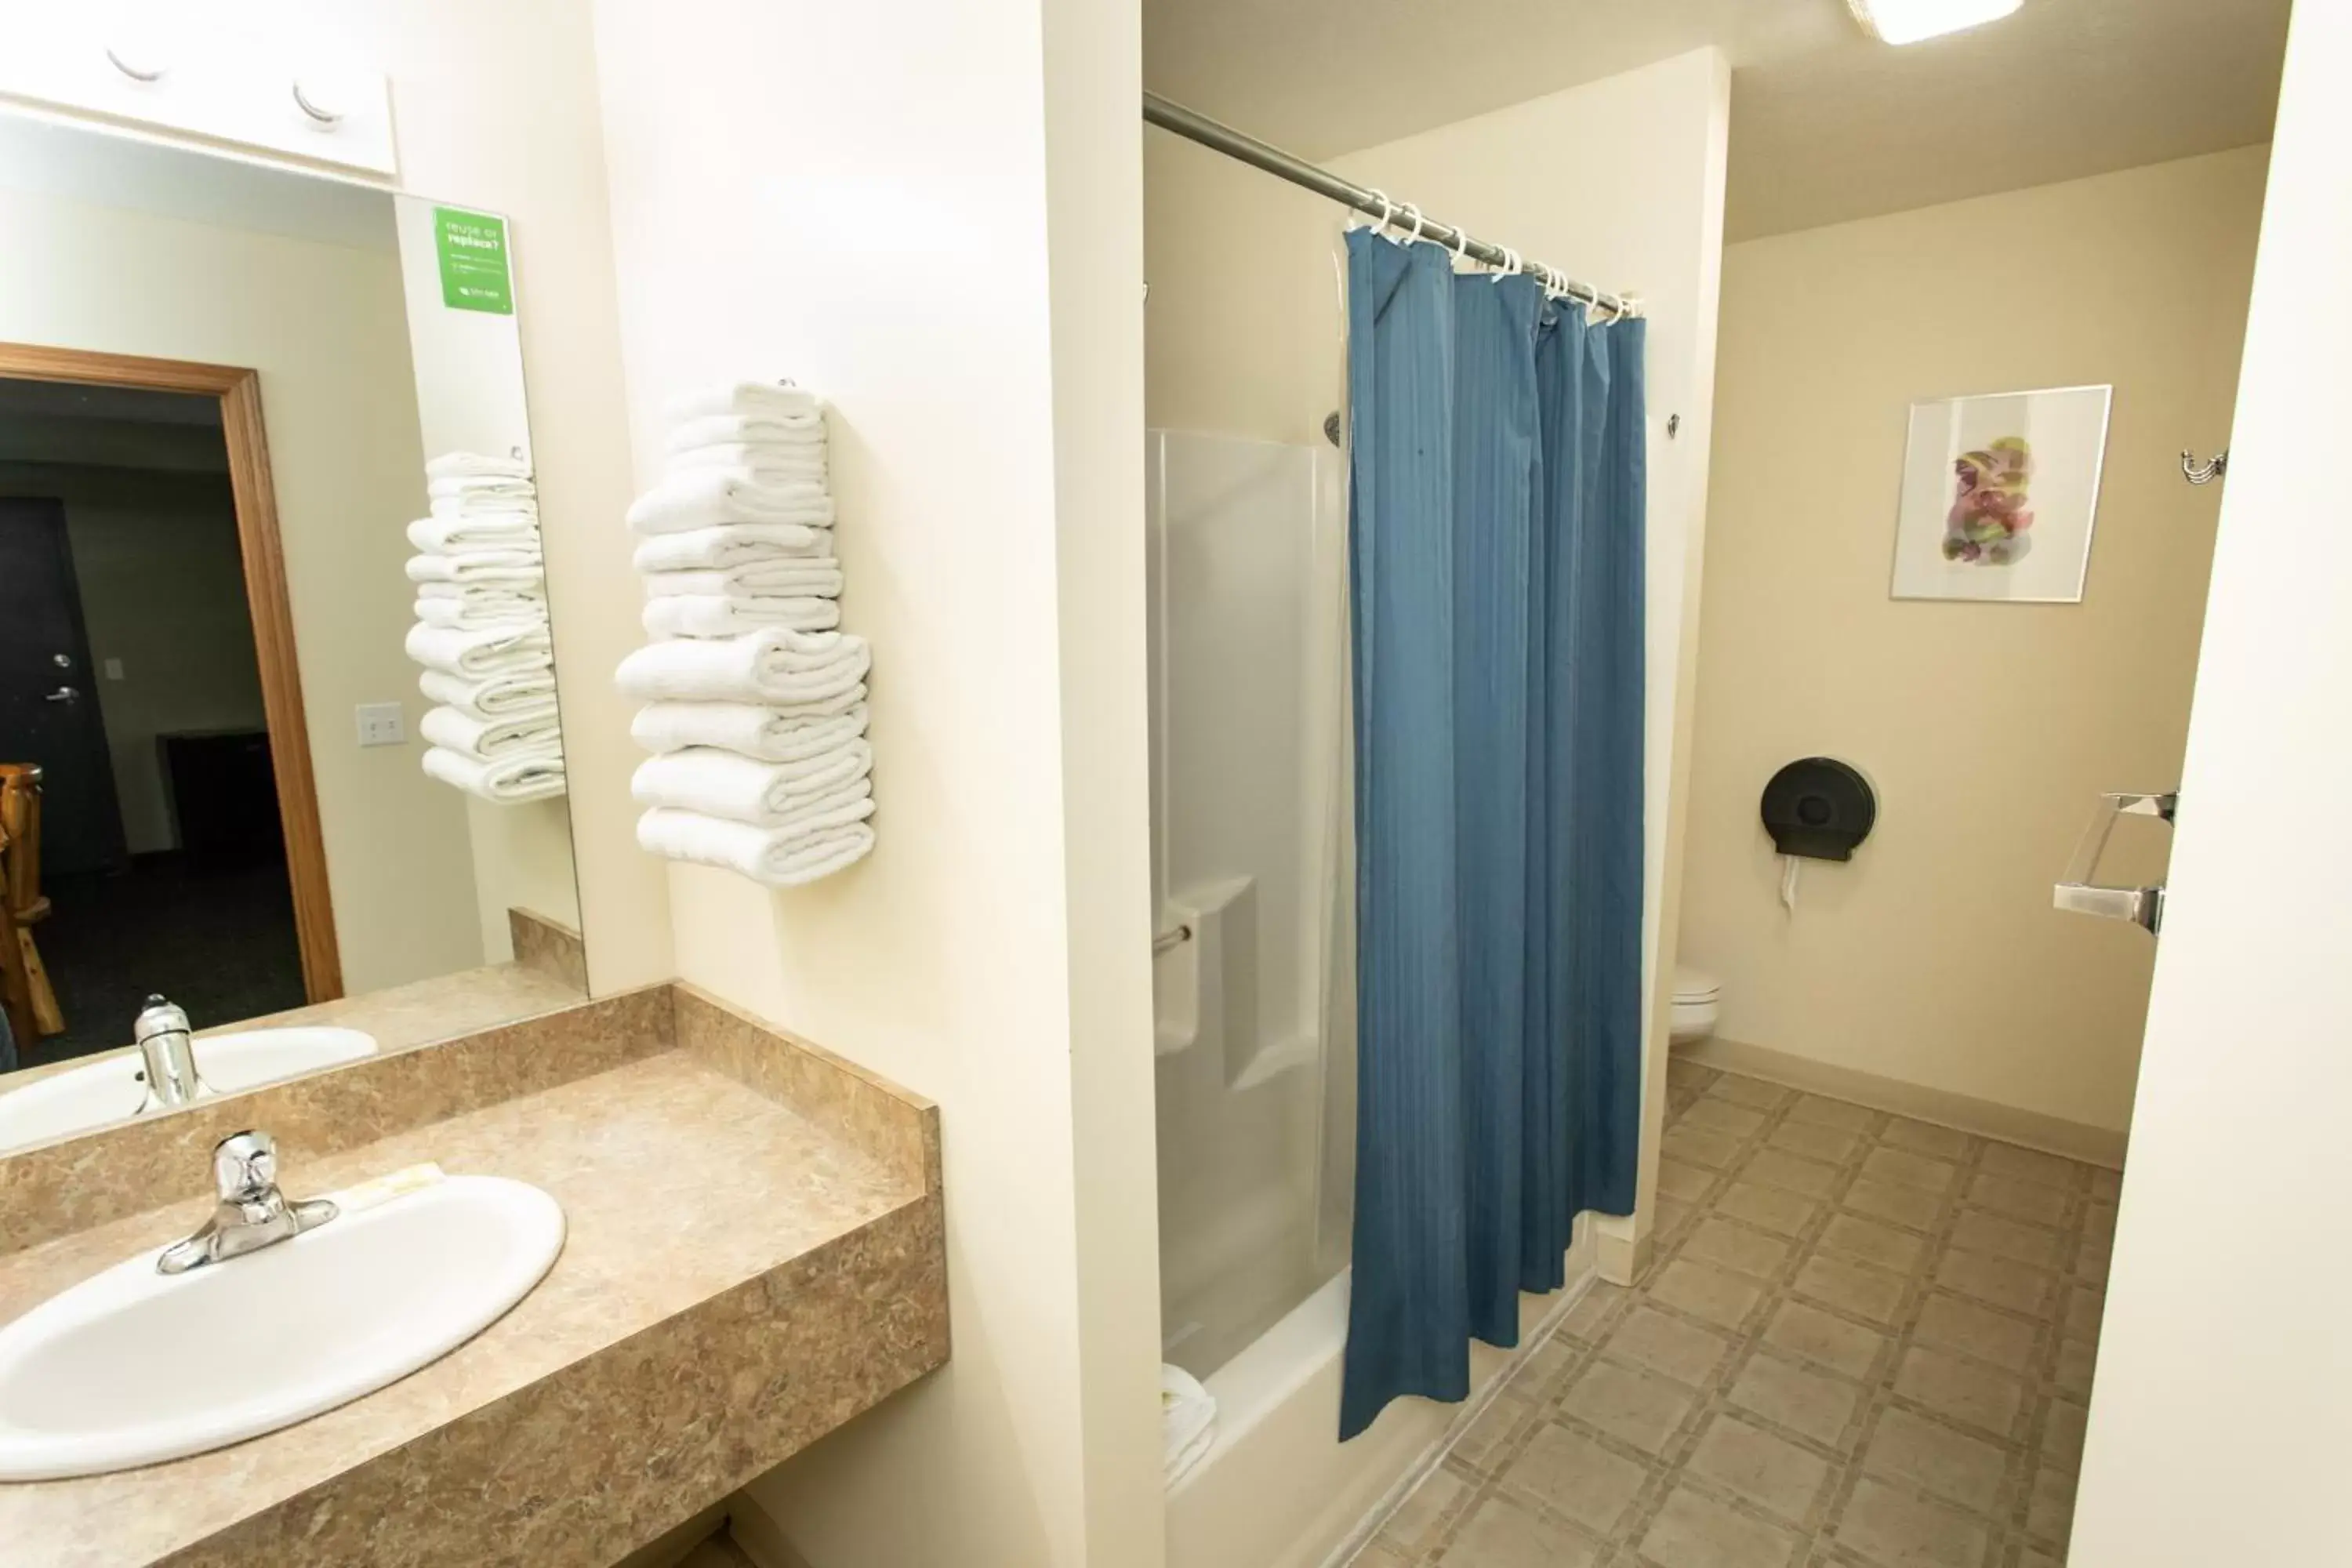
<point x="1865" y="1342"/>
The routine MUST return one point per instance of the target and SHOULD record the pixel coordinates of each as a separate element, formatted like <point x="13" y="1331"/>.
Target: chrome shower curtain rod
<point x="1233" y="143"/>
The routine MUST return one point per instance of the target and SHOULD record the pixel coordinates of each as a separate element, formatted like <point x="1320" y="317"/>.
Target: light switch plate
<point x="113" y="670"/>
<point x="381" y="724"/>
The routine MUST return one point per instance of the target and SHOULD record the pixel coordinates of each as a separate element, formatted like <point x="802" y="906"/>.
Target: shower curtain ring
<point x="1461" y="245"/>
<point x="1388" y="210"/>
<point x="1417" y="220"/>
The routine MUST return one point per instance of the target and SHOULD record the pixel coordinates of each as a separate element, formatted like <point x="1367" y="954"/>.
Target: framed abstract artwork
<point x="1999" y="496"/>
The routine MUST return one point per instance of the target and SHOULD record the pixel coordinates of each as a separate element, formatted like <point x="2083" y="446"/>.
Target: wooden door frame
<point x="239" y="392"/>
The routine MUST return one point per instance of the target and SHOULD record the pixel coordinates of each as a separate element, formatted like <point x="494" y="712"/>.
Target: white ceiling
<point x="1826" y="124"/>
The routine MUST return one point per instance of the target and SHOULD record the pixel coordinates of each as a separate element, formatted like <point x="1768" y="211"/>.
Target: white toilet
<point x="1696" y="996"/>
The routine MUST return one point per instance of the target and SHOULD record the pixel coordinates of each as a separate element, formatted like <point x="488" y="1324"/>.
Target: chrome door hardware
<point x="2142" y="906"/>
<point x="2080" y="894"/>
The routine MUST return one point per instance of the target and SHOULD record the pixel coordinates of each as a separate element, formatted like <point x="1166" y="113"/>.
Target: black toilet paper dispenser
<point x="1819" y="807"/>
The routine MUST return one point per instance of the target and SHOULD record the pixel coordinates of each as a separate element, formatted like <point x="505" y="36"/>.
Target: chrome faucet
<point x="163" y="1036"/>
<point x="248" y="1213"/>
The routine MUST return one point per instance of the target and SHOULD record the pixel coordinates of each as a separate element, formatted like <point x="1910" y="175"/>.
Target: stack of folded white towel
<point x="481" y="631"/>
<point x="755" y="704"/>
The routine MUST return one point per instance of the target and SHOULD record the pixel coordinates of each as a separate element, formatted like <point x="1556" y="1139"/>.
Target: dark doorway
<point x="49" y="705"/>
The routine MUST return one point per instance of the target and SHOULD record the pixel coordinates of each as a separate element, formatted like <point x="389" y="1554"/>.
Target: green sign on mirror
<point x="473" y="251"/>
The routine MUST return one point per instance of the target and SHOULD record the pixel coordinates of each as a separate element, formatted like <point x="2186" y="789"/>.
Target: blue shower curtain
<point x="1495" y="576"/>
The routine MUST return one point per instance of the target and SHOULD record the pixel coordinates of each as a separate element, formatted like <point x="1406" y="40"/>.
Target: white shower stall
<point x="1254" y="991"/>
<point x="1252" y="985"/>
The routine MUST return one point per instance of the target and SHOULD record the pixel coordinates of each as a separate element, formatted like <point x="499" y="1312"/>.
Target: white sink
<point x="115" y="1088"/>
<point x="251" y="1057"/>
<point x="132" y="1367"/>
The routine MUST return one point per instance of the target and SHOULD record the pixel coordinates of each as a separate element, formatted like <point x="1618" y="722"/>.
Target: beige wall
<point x="1933" y="957"/>
<point x="958" y="275"/>
<point x="324" y="326"/>
<point x="1240" y="338"/>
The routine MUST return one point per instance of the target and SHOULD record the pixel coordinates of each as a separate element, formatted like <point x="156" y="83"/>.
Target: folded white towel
<point x="746" y="789"/>
<point x="701" y="497"/>
<point x="492" y="739"/>
<point x="514" y="568"/>
<point x="476" y="465"/>
<point x="772" y="665"/>
<point x="511" y="694"/>
<point x="769" y="709"/>
<point x="473" y="593"/>
<point x="767" y="733"/>
<point x="1188" y="1423"/>
<point x="475" y="652"/>
<point x="468" y="532"/>
<point x="485" y="506"/>
<point x="730" y="544"/>
<point x="505" y="782"/>
<point x="508" y="610"/>
<point x="469" y="487"/>
<point x="803" y="576"/>
<point x="749" y="399"/>
<point x="711" y="429"/>
<point x="1185" y="1460"/>
<point x="777" y="856"/>
<point x="769" y="465"/>
<point x="724" y="614"/>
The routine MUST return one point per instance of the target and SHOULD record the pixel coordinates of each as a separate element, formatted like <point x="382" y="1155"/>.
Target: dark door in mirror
<point x="49" y="705"/>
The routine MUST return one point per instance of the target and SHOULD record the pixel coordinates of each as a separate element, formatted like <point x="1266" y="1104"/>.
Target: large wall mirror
<point x="279" y="738"/>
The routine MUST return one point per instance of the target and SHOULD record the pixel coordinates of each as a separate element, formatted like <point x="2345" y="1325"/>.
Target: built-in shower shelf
<point x="1272" y="1061"/>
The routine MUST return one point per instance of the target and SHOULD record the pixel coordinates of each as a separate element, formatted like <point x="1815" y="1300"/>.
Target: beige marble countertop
<point x="743" y="1268"/>
<point x="436" y="1008"/>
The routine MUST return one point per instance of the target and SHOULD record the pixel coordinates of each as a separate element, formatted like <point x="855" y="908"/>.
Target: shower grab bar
<point x="1169" y="940"/>
<point x="2079" y="894"/>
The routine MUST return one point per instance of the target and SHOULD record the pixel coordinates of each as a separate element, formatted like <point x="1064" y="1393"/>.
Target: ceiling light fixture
<point x="1908" y="21"/>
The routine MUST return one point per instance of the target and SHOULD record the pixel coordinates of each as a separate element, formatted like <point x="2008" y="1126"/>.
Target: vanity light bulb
<point x="1909" y="21"/>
